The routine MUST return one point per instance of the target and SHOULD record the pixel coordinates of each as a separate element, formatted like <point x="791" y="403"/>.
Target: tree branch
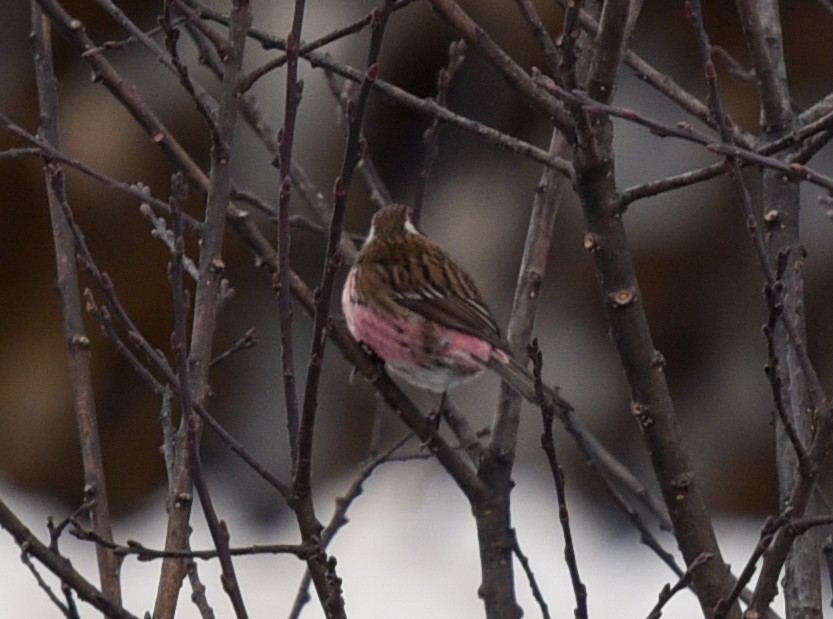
<point x="78" y="344"/>
<point x="58" y="565"/>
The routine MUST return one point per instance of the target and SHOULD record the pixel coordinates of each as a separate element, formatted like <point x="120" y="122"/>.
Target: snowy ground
<point x="408" y="552"/>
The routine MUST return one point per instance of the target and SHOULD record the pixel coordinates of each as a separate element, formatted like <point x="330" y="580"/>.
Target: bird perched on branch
<point x="409" y="301"/>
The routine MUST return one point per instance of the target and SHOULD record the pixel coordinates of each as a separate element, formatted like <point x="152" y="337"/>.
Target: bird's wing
<point x="445" y="294"/>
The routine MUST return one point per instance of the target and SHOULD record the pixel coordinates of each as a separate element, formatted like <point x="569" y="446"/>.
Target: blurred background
<point x="695" y="261"/>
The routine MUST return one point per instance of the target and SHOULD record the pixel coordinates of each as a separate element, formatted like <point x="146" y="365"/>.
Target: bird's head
<point x="391" y="221"/>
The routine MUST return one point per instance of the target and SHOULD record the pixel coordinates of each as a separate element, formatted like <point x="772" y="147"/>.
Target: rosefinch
<point x="409" y="301"/>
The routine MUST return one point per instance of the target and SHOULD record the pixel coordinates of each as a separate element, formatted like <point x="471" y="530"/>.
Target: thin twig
<point x="191" y="422"/>
<point x="193" y="371"/>
<point x="328" y="587"/>
<point x="548" y="444"/>
<point x="427" y="107"/>
<point x="685" y="131"/>
<point x="27" y="561"/>
<point x="343" y="96"/>
<point x="339" y="33"/>
<point x="513" y="73"/>
<point x="530" y="576"/>
<point x="339" y="517"/>
<point x="17" y="153"/>
<point x="163" y="233"/>
<point x="286" y="141"/>
<point x="430" y="139"/>
<point x="198" y="591"/>
<point x="774" y="373"/>
<point x="59" y="565"/>
<point x="646" y="536"/>
<point x="684" y="582"/>
<point x="248" y="340"/>
<point x="143" y="553"/>
<point x="761" y="22"/>
<point x="802" y="489"/>
<point x="768" y="531"/>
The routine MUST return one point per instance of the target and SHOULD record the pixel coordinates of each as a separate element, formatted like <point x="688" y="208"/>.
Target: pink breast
<point x="426" y="354"/>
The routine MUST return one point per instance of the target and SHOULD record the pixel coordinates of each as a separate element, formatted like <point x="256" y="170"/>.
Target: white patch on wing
<point x="432" y="292"/>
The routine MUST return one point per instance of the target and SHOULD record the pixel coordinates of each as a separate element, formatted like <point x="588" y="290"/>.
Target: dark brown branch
<point x="252" y="114"/>
<point x="339" y="517"/>
<point x="207" y="301"/>
<point x="802" y="574"/>
<point x="190" y="422"/>
<point x="663" y="83"/>
<point x="548" y="445"/>
<point x="64" y="608"/>
<point x="568" y="45"/>
<point x="542" y="36"/>
<point x="73" y="31"/>
<point x="103" y="316"/>
<point x="327" y="587"/>
<point x="343" y="95"/>
<point x="148" y="120"/>
<point x="427" y="107"/>
<point x="651" y="403"/>
<point x="684" y="582"/>
<point x="58" y="565"/>
<point x="286" y="141"/>
<point x="44" y="149"/>
<point x="795" y="427"/>
<point x="339" y="33"/>
<point x="17" y="153"/>
<point x="506" y="67"/>
<point x="78" y="343"/>
<point x="497" y="460"/>
<point x="646" y="537"/>
<point x="430" y="139"/>
<point x="685" y="131"/>
<point x="768" y="530"/>
<point x="530" y="576"/>
<point x="172" y="33"/>
<point x="248" y="340"/>
<point x="801" y="492"/>
<point x="143" y="553"/>
<point x="468" y="438"/>
<point x="775" y="374"/>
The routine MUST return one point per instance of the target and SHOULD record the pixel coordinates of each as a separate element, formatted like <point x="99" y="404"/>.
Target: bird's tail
<point x="522" y="381"/>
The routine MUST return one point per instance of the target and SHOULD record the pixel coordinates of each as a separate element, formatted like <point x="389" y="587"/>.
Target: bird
<point x="411" y="303"/>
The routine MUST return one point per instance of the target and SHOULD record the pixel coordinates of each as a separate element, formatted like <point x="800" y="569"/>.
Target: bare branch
<point x="530" y="576"/>
<point x="286" y="141"/>
<point x="78" y="344"/>
<point x="59" y="565"/>
<point x="548" y="444"/>
<point x="518" y="78"/>
<point x="339" y="517"/>
<point x="193" y="372"/>
<point x="427" y="107"/>
<point x="669" y="592"/>
<point x="768" y="530"/>
<point x="456" y="57"/>
<point x="651" y="406"/>
<point x="143" y="553"/>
